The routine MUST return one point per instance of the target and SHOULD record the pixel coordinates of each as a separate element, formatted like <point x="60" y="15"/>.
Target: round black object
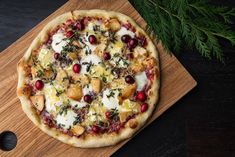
<point x="8" y="140"/>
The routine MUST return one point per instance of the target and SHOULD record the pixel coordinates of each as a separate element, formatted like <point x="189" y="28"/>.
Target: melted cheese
<point x="58" y="42"/>
<point x="101" y="71"/>
<point x="91" y="59"/>
<point x="66" y="119"/>
<point x="141" y="80"/>
<point x="124" y="31"/>
<point x="110" y="102"/>
<point x="77" y="104"/>
<point x="45" y="57"/>
<point x="52" y="101"/>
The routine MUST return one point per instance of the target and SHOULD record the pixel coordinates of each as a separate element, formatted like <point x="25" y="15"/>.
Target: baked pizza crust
<point x="89" y="140"/>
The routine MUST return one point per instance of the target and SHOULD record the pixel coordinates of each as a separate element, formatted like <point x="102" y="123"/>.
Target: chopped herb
<point x="64" y="110"/>
<point x="68" y="48"/>
<point x="104" y="79"/>
<point x="89" y="64"/>
<point x="77" y="120"/>
<point x="87" y="51"/>
<point x="114" y="114"/>
<point x="111" y="94"/>
<point x="59" y="92"/>
<point x="96" y="28"/>
<point x="112" y="36"/>
<point x="65" y="78"/>
<point x="40" y="73"/>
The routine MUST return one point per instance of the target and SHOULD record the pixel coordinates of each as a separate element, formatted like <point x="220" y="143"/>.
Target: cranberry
<point x="107" y="114"/>
<point x="92" y="39"/>
<point x="141" y="96"/>
<point x="132" y="43"/>
<point x="129" y="79"/>
<point x="130" y="56"/>
<point x="39" y="84"/>
<point x="87" y="98"/>
<point x="69" y="34"/>
<point x="56" y="55"/>
<point x="126" y="38"/>
<point x="95" y="129"/>
<point x="80" y="25"/>
<point x="142" y="41"/>
<point x="144" y="107"/>
<point x="107" y="56"/>
<point x="77" y="68"/>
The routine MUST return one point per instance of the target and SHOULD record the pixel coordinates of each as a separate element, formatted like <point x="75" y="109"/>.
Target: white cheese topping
<point x="77" y="104"/>
<point x="124" y="31"/>
<point x="58" y="42"/>
<point x="66" y="119"/>
<point x="51" y="99"/>
<point x="141" y="80"/>
<point x="87" y="89"/>
<point x="110" y="99"/>
<point x="88" y="61"/>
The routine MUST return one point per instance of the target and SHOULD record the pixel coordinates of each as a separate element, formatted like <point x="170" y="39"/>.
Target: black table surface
<point x="202" y="124"/>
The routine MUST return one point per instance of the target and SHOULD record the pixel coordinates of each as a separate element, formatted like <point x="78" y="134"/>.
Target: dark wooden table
<point x="202" y="124"/>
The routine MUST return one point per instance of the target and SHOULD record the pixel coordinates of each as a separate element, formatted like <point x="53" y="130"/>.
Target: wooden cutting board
<point x="175" y="83"/>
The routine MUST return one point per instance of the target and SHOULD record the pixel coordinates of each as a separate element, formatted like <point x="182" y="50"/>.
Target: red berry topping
<point x="107" y="114"/>
<point x="144" y="107"/>
<point x="107" y="56"/>
<point x="130" y="56"/>
<point x="80" y="25"/>
<point x="92" y="39"/>
<point x="142" y="41"/>
<point x="77" y="68"/>
<point x="56" y="55"/>
<point x="87" y="98"/>
<point x="69" y="34"/>
<point x="129" y="79"/>
<point x="95" y="129"/>
<point x="141" y="96"/>
<point x="39" y="84"/>
<point x="126" y="38"/>
<point x="132" y="43"/>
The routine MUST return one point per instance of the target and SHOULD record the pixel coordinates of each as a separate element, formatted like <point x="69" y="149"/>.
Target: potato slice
<point x="62" y="78"/>
<point x="77" y="130"/>
<point x="76" y="43"/>
<point x="73" y="56"/>
<point x="75" y="92"/>
<point x="123" y="115"/>
<point x="96" y="84"/>
<point x="114" y="24"/>
<point x="128" y="91"/>
<point x="38" y="101"/>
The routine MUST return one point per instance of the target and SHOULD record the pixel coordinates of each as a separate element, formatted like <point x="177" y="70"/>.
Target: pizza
<point x="90" y="78"/>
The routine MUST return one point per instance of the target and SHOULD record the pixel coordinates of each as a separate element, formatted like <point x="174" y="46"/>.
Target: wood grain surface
<point x="175" y="83"/>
